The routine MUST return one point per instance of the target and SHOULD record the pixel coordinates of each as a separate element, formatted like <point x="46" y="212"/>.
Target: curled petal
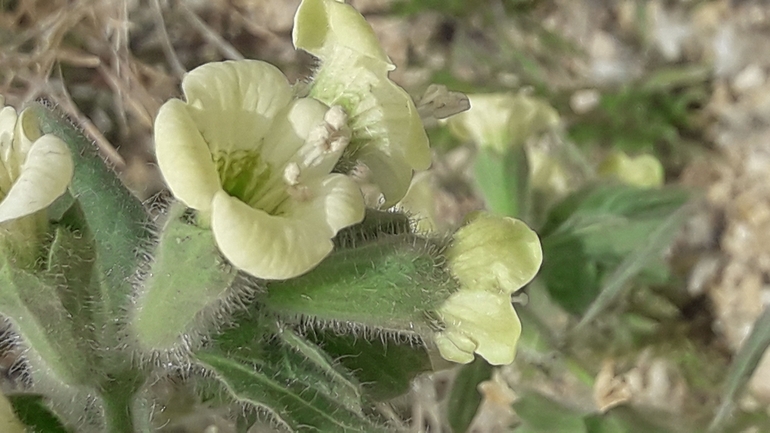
<point x="480" y="322"/>
<point x="336" y="200"/>
<point x="44" y="177"/>
<point x="387" y="133"/>
<point x="496" y="254"/>
<point x="323" y="26"/>
<point x="245" y="94"/>
<point x="184" y="157"/>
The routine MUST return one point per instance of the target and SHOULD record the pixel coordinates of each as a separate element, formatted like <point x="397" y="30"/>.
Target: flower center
<point x="245" y="176"/>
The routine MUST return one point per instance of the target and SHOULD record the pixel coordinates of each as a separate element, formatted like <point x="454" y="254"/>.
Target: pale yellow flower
<point x="502" y="120"/>
<point x="491" y="257"/>
<point x="644" y="171"/>
<point x="256" y="161"/>
<point x="496" y="254"/>
<point x="36" y="169"/>
<point x="388" y="136"/>
<point x="480" y="322"/>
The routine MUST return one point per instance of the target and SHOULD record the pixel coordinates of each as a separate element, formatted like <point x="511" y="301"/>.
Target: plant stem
<point x="118" y="396"/>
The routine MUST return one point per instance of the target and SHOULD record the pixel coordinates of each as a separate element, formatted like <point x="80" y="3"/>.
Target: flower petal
<point x="323" y="26"/>
<point x="290" y="244"/>
<point x="392" y="173"/>
<point x="184" y="158"/>
<point x="233" y="103"/>
<point x="502" y="120"/>
<point x="487" y="319"/>
<point x="496" y="254"/>
<point x="451" y="350"/>
<point x="286" y="141"/>
<point x="264" y="245"/>
<point x="45" y="175"/>
<point x="336" y="200"/>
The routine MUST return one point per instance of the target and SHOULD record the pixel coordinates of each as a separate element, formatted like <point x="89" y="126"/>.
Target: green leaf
<point x="293" y="395"/>
<point x="465" y="398"/>
<point x="187" y="277"/>
<point x="743" y="366"/>
<point x="540" y="414"/>
<point x="503" y="180"/>
<point x="115" y="218"/>
<point x="33" y="412"/>
<point x="38" y="316"/>
<point x="341" y="384"/>
<point x="617" y="283"/>
<point x="387" y="285"/>
<point x="71" y="262"/>
<point x="590" y="234"/>
<point x="385" y="368"/>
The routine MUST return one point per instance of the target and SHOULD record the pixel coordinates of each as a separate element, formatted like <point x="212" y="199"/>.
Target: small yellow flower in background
<point x="643" y="171"/>
<point x="36" y="170"/>
<point x="256" y="161"/>
<point x="388" y="136"/>
<point x="502" y="120"/>
<point x="491" y="257"/>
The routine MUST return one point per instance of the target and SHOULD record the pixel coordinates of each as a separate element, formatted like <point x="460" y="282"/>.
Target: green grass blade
<point x="742" y="367"/>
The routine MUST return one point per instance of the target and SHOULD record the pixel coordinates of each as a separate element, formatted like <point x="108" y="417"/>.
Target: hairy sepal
<point x="386" y="286"/>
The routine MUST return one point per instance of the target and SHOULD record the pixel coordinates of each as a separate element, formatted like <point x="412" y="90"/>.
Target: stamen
<point x="336" y="118"/>
<point x="291" y="174"/>
<point x="299" y="192"/>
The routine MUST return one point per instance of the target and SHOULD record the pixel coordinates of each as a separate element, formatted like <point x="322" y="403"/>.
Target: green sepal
<point x="187" y="279"/>
<point x="115" y="218"/>
<point x="31" y="409"/>
<point x="293" y="394"/>
<point x="38" y="316"/>
<point x="503" y="179"/>
<point x="386" y="286"/>
<point x="384" y="368"/>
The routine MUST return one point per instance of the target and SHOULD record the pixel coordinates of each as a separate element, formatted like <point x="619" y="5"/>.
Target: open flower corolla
<point x="36" y="169"/>
<point x="256" y="161"/>
<point x="491" y="257"/>
<point x="388" y="136"/>
<point x="502" y="120"/>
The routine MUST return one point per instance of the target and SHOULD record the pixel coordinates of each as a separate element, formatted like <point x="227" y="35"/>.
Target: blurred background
<point x="685" y="81"/>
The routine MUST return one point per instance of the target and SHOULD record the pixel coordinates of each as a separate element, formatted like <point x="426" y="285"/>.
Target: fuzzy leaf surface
<point x="34" y="308"/>
<point x="115" y="218"/>
<point x="293" y="395"/>
<point x="386" y="285"/>
<point x="187" y="276"/>
<point x="384" y="368"/>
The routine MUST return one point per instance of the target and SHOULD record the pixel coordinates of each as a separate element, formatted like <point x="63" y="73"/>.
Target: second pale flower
<point x="246" y="154"/>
